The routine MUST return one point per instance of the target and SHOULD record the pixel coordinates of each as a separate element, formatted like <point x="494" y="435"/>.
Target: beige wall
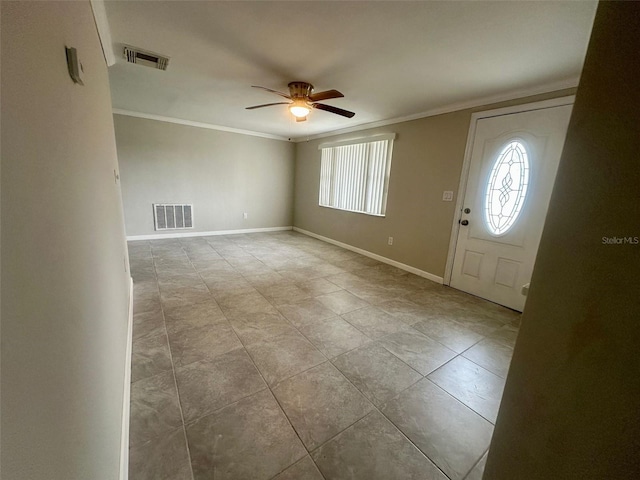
<point x="570" y="408"/>
<point x="64" y="286"/>
<point x="223" y="174"/>
<point x="427" y="159"/>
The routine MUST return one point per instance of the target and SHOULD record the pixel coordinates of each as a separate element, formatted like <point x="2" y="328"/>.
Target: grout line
<point x="330" y="361"/>
<point x="268" y="387"/>
<point x="476" y="464"/>
<point x="377" y="409"/>
<point x="461" y="402"/>
<point x="173" y="368"/>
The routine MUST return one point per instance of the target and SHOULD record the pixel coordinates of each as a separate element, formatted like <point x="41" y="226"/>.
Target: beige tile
<point x="229" y="338"/>
<point x="281" y="357"/>
<point x="305" y="469"/>
<point x="373" y="449"/>
<point x="177" y="282"/>
<point x="284" y="293"/>
<point x="373" y="294"/>
<point x="341" y="302"/>
<point x="492" y="355"/>
<point x="208" y="385"/>
<point x="243" y="304"/>
<point x="202" y="343"/>
<point x="378" y="374"/>
<point x="506" y="335"/>
<point x="320" y="403"/>
<point x="154" y="408"/>
<point x="163" y="458"/>
<point x="405" y="310"/>
<point x="305" y="312"/>
<point x="194" y="315"/>
<point x="477" y="471"/>
<point x="375" y="323"/>
<point x="250" y="439"/>
<point x="259" y="327"/>
<point x="474" y="386"/>
<point x="150" y="356"/>
<point x="185" y="296"/>
<point x="318" y="286"/>
<point x="417" y="350"/>
<point x="333" y="336"/>
<point x="148" y="324"/>
<point x="452" y="435"/>
<point x="448" y="332"/>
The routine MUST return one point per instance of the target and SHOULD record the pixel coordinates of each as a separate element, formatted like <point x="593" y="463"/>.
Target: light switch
<point x="447" y="196"/>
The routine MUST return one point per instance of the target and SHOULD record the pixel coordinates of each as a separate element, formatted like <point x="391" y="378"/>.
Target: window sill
<point x="353" y="211"/>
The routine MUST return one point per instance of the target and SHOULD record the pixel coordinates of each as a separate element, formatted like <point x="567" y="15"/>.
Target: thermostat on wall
<point x="75" y="67"/>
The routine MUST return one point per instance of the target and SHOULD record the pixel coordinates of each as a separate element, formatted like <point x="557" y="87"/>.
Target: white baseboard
<point x="126" y="397"/>
<point x="160" y="236"/>
<point x="380" y="258"/>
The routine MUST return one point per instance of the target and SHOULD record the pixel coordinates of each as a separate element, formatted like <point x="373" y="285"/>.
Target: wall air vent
<point x="146" y="58"/>
<point x="171" y="216"/>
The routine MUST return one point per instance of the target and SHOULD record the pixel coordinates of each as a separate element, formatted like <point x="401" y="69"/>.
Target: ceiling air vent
<point x="146" y="58"/>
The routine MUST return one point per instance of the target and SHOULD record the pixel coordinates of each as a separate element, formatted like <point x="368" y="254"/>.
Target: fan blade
<point x="266" y="105"/>
<point x="336" y="110"/>
<point x="316" y="97"/>
<point x="272" y="91"/>
<point x="301" y="119"/>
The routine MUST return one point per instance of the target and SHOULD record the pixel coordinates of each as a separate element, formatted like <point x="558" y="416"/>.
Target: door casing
<point x="464" y="176"/>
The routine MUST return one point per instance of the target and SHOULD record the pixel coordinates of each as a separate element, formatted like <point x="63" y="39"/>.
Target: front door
<point x="513" y="164"/>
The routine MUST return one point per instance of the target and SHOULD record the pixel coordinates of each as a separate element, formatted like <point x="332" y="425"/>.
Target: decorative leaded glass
<point x="506" y="188"/>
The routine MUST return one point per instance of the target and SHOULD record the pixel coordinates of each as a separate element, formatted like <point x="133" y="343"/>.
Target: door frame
<point x="464" y="175"/>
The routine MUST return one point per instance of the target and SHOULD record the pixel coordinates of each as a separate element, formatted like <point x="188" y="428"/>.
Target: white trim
<point x="126" y="396"/>
<point x="375" y="256"/>
<point x="464" y="175"/>
<point x="131" y="238"/>
<point x="453" y="107"/>
<point x="104" y="32"/>
<point x="209" y="126"/>
<point x="358" y="140"/>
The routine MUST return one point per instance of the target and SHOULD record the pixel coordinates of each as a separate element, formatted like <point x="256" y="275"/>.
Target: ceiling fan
<point x="303" y="100"/>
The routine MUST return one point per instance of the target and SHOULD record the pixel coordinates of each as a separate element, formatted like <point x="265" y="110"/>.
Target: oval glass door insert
<point x="506" y="188"/>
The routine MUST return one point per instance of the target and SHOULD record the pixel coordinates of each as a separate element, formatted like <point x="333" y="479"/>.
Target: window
<point x="506" y="188"/>
<point x="354" y="175"/>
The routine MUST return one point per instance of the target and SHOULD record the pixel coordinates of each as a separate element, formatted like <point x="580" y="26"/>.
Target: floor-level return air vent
<point x="146" y="58"/>
<point x="171" y="216"/>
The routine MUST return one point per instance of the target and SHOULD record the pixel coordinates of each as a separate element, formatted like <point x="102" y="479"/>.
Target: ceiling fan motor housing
<point x="300" y="90"/>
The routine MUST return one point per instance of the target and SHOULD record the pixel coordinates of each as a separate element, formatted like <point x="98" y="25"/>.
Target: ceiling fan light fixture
<point x="299" y="109"/>
<point x="303" y="100"/>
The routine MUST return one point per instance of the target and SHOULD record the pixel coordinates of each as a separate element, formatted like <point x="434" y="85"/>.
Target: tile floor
<point x="278" y="356"/>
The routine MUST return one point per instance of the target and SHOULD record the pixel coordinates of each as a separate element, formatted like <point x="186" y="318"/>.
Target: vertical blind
<point x="355" y="176"/>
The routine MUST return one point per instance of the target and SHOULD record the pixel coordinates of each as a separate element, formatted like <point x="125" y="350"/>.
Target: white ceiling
<point x="391" y="59"/>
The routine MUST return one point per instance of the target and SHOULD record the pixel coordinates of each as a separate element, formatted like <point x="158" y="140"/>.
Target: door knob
<point x="464" y="222"/>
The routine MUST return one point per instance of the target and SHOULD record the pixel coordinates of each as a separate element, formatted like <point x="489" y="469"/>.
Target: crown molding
<point x="453" y="107"/>
<point x="209" y="126"/>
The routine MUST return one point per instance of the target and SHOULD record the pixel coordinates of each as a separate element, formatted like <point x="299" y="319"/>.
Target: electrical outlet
<point x="447" y="196"/>
<point x="245" y="215"/>
<point x="390" y="242"/>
